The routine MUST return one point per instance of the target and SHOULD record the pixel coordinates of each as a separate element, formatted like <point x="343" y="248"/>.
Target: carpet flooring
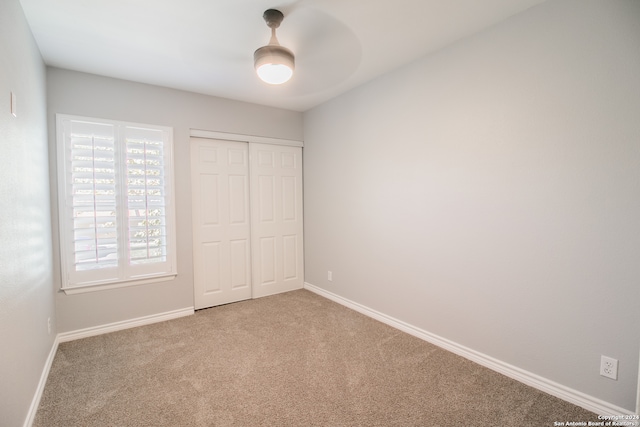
<point x="294" y="359"/>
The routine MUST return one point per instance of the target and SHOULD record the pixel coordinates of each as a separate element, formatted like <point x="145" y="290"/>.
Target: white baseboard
<point x="89" y="332"/>
<point x="560" y="391"/>
<point x="125" y="324"/>
<point x="35" y="403"/>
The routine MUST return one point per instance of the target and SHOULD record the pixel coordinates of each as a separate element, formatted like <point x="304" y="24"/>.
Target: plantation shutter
<point x="115" y="202"/>
<point x="92" y="205"/>
<point x="146" y="199"/>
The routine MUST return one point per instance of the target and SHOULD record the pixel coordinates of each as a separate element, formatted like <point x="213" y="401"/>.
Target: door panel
<point x="267" y="259"/>
<point x="289" y="198"/>
<point x="209" y="199"/>
<point x="290" y="250"/>
<point x="210" y="260"/>
<point x="238" y="199"/>
<point x="240" y="257"/>
<point x="221" y="225"/>
<point x="276" y="212"/>
<point x="266" y="199"/>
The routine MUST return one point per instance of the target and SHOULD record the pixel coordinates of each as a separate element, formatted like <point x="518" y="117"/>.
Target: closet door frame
<point x="214" y="135"/>
<point x="198" y="133"/>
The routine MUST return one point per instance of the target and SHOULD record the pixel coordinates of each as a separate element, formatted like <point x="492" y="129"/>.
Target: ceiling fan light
<point x="274" y="74"/>
<point x="274" y="64"/>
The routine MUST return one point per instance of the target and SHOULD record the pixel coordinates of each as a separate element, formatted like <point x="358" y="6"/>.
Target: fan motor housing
<point x="273" y="54"/>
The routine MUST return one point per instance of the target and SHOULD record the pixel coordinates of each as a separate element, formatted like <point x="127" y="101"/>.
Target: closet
<point x="247" y="219"/>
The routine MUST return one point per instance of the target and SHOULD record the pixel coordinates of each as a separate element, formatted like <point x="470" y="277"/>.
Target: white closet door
<point x="221" y="221"/>
<point x="276" y="218"/>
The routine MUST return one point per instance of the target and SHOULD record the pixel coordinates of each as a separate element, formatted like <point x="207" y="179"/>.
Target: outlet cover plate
<point x="609" y="367"/>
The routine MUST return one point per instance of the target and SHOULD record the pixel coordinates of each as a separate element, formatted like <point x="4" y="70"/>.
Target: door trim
<point x="199" y="133"/>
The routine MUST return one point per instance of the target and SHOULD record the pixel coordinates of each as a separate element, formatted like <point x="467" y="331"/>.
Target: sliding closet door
<point x="276" y="218"/>
<point x="221" y="221"/>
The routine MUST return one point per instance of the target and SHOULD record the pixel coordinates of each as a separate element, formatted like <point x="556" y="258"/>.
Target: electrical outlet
<point x="330" y="276"/>
<point x="609" y="367"/>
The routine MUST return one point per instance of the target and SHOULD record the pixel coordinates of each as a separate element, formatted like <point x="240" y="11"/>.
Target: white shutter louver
<point x="93" y="195"/>
<point x="116" y="211"/>
<point x="146" y="196"/>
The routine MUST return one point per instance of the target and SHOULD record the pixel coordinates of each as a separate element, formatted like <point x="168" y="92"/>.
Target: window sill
<point x="81" y="289"/>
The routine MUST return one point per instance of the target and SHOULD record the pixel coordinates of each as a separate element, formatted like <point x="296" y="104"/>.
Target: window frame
<point x="66" y="216"/>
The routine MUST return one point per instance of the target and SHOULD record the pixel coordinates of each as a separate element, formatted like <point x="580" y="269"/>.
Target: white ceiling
<point x="207" y="46"/>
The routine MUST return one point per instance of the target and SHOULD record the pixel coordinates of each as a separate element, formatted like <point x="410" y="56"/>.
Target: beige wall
<point x="490" y="194"/>
<point x="82" y="94"/>
<point x="26" y="289"/>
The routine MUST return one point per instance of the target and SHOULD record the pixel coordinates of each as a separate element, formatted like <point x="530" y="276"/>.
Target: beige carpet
<point x="294" y="359"/>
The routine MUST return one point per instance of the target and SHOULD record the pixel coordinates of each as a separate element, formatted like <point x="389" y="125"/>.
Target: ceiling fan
<point x="274" y="64"/>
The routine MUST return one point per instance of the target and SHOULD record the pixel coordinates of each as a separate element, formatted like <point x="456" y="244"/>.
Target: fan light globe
<point x="274" y="74"/>
<point x="274" y="64"/>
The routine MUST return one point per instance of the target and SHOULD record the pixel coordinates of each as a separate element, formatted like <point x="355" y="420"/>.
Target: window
<point x="115" y="185"/>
